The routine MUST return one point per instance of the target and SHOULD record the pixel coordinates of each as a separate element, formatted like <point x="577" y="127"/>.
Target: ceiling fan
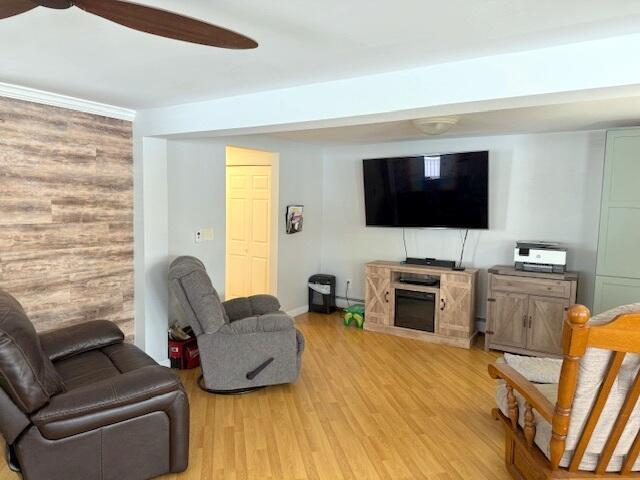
<point x="140" y="17"/>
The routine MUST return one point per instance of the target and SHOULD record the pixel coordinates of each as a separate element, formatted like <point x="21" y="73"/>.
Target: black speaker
<point x="319" y="301"/>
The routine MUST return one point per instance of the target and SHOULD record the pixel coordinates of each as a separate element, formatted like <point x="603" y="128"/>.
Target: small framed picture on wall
<point x="295" y="214"/>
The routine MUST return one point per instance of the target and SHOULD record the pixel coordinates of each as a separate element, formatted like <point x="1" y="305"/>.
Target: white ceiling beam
<point x="579" y="71"/>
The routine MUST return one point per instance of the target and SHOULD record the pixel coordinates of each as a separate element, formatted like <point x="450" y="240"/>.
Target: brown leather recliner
<point x="78" y="403"/>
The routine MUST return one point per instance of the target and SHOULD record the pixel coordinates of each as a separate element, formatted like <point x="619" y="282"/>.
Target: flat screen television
<point x="448" y="190"/>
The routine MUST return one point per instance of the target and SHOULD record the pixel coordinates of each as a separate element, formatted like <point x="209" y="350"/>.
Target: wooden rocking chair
<point x="592" y="431"/>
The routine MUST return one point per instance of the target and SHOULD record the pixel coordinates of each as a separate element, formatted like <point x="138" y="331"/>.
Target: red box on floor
<point x="184" y="354"/>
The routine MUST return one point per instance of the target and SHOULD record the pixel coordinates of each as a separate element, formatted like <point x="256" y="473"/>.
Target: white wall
<point x="196" y="183"/>
<point x="542" y="187"/>
<point x="196" y="186"/>
<point x="150" y="236"/>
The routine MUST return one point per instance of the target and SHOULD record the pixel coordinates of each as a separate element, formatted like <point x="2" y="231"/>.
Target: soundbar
<point x="432" y="262"/>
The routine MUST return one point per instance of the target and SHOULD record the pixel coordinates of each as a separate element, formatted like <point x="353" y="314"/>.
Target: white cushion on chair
<point x="535" y="369"/>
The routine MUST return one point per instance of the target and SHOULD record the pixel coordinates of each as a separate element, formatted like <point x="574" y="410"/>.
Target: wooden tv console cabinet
<point x="454" y="300"/>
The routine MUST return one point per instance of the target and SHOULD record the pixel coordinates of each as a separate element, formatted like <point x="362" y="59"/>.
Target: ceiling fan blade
<point x="9" y="8"/>
<point x="165" y="24"/>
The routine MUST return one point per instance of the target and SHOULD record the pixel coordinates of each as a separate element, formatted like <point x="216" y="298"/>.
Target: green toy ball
<point x="354" y="313"/>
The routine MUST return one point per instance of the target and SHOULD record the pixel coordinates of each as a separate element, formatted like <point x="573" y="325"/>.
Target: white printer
<point x="545" y="257"/>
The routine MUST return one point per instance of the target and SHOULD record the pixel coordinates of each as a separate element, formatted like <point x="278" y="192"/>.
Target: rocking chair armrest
<point x="525" y="388"/>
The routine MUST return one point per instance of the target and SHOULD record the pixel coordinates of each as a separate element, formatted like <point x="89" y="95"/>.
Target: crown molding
<point x="56" y="100"/>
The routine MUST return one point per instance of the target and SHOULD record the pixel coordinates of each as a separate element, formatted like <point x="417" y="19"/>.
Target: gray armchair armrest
<point x="106" y="402"/>
<point x="244" y="307"/>
<point x="76" y="339"/>
<point x="263" y="304"/>
<point x="274" y="322"/>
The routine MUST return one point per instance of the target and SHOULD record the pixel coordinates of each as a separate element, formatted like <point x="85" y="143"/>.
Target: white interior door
<point x="248" y="237"/>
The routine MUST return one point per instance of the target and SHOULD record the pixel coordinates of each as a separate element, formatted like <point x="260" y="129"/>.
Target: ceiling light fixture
<point x="435" y="125"/>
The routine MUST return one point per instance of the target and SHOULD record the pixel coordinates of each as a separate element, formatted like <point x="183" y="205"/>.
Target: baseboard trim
<point x="294" y="312"/>
<point x="56" y="100"/>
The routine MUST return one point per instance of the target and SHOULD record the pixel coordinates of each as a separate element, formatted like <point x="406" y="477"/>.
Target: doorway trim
<point x="242" y="156"/>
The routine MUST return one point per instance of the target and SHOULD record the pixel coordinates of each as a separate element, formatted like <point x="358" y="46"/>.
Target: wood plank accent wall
<point x="66" y="214"/>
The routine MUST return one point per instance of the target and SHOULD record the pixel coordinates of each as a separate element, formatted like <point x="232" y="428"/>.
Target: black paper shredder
<point x="322" y="293"/>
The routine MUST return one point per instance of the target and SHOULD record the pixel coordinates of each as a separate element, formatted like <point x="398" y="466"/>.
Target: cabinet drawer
<point x="533" y="286"/>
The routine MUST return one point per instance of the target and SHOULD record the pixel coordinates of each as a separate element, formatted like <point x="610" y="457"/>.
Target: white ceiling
<point x="301" y="41"/>
<point x="586" y="115"/>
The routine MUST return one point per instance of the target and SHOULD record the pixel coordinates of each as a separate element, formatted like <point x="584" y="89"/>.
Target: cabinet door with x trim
<point x="377" y="291"/>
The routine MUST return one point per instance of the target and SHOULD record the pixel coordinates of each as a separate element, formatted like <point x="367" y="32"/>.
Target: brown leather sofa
<point x="78" y="403"/>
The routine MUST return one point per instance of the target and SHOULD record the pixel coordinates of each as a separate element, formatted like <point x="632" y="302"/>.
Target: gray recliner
<point x="244" y="343"/>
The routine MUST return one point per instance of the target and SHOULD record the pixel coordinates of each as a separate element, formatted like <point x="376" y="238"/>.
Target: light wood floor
<point x="367" y="406"/>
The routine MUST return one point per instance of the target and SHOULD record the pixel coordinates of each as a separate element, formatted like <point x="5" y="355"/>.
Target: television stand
<point x="454" y="315"/>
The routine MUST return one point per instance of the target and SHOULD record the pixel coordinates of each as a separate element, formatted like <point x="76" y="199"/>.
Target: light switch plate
<point x="203" y="235"/>
<point x="207" y="234"/>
